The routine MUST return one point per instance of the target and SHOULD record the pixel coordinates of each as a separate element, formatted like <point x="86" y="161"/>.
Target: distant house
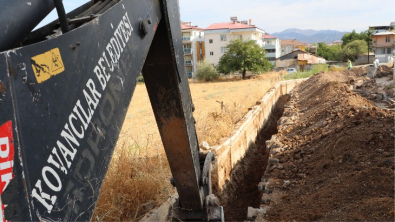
<point x="272" y="45"/>
<point x="335" y="42"/>
<point x="298" y="59"/>
<point x="193" y="44"/>
<point x="313" y="49"/>
<point x="290" y="45"/>
<point x="219" y="35"/>
<point x="384" y="45"/>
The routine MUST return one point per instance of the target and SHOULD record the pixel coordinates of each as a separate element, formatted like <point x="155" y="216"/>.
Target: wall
<point x="234" y="148"/>
<point x="291" y="63"/>
<point x="380" y="41"/>
<point x="363" y="59"/>
<point x="215" y="47"/>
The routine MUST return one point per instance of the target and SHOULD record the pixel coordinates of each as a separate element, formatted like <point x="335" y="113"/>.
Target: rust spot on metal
<point x="2" y="88"/>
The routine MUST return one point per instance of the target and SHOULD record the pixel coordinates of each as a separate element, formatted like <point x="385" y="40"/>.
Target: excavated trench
<point x="242" y="189"/>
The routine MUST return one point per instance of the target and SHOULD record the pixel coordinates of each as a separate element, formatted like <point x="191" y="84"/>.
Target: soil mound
<point x="356" y="71"/>
<point x="384" y="71"/>
<point x="336" y="157"/>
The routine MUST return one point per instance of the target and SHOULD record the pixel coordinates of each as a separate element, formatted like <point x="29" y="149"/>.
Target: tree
<point x="243" y="56"/>
<point x="331" y="53"/>
<point x="353" y="49"/>
<point x="352" y="36"/>
<point x="206" y="71"/>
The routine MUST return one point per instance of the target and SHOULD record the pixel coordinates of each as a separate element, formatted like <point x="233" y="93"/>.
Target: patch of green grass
<point x="298" y="75"/>
<point x="314" y="70"/>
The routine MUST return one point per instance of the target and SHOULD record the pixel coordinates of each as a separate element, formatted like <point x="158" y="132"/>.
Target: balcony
<point x="187" y="51"/>
<point x="188" y="62"/>
<point x="188" y="38"/>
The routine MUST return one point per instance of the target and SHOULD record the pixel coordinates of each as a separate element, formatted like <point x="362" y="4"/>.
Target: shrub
<point x="319" y="68"/>
<point x="206" y="71"/>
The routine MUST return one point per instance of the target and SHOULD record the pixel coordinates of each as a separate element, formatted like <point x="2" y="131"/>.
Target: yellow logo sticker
<point x="47" y="65"/>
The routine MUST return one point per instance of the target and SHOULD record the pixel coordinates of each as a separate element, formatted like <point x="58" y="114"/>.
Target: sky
<point x="278" y="15"/>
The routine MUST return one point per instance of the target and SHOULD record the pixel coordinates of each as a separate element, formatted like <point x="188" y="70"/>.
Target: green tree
<point x="243" y="56"/>
<point x="353" y="49"/>
<point x="331" y="53"/>
<point x="352" y="36"/>
<point x="206" y="71"/>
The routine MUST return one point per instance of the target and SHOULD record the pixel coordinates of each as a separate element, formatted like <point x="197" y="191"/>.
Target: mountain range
<point x="309" y="35"/>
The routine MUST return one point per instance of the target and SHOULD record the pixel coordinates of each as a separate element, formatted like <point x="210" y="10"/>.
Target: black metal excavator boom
<point x="65" y="89"/>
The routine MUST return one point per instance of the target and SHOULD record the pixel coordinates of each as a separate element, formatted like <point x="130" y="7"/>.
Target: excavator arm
<point x="64" y="93"/>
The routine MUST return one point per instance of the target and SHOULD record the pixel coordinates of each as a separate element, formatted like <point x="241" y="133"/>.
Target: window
<point x="272" y="58"/>
<point x="223" y="37"/>
<point x="270" y="50"/>
<point x="224" y="50"/>
<point x="388" y="50"/>
<point x="210" y="41"/>
<point x="387" y="39"/>
<point x="238" y="36"/>
<point x="211" y="53"/>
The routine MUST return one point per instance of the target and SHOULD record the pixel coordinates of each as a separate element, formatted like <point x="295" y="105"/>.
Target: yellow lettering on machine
<point x="47" y="65"/>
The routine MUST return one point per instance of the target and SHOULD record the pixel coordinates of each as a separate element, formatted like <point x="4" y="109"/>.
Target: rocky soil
<point x="333" y="156"/>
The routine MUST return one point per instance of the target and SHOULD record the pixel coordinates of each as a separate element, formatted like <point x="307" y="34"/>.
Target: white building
<point x="272" y="46"/>
<point x="193" y="44"/>
<point x="219" y="35"/>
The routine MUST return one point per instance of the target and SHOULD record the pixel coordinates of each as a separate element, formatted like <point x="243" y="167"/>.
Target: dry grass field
<point x="139" y="171"/>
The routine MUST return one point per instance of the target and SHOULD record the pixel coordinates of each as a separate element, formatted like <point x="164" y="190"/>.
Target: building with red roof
<point x="218" y="36"/>
<point x="289" y="45"/>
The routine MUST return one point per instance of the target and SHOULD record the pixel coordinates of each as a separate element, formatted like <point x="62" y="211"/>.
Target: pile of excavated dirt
<point x="333" y="156"/>
<point x="356" y="71"/>
<point x="382" y="70"/>
<point x="380" y="90"/>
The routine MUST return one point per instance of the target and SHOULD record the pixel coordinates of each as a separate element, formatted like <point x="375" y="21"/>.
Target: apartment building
<point x="384" y="45"/>
<point x="289" y="45"/>
<point x="193" y="44"/>
<point x="272" y="45"/>
<point x="218" y="36"/>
